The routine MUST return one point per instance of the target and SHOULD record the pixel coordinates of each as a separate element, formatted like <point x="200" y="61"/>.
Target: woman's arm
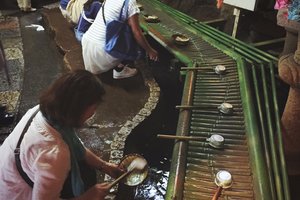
<point x="96" y="162"/>
<point x="133" y="22"/>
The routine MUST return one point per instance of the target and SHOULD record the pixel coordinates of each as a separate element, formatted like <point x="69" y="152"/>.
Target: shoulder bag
<point x="17" y="152"/>
<point x="120" y="42"/>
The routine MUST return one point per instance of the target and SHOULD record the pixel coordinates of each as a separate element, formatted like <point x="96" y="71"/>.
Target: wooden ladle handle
<point x="217" y="194"/>
<point x="112" y="184"/>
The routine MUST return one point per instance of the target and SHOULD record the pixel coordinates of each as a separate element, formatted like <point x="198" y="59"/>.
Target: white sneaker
<point x="125" y="73"/>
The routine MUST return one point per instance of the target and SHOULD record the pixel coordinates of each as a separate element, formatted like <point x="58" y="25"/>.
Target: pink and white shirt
<point x="45" y="158"/>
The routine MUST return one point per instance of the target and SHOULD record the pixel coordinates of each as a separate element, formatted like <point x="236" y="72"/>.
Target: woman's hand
<point x="113" y="170"/>
<point x="134" y="23"/>
<point x="153" y="55"/>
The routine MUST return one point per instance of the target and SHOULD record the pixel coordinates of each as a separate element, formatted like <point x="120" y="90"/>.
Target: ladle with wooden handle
<point x="217" y="194"/>
<point x="223" y="180"/>
<point x="136" y="164"/>
<point x="176" y="137"/>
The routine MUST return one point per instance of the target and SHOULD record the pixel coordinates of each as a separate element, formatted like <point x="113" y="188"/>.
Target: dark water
<point x="163" y="120"/>
<point x="154" y="187"/>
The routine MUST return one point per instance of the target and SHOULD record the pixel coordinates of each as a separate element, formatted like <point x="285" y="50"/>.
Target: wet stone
<point x="121" y="138"/>
<point x="124" y="130"/>
<point x="108" y="178"/>
<point x="12" y="43"/>
<point x="116" y="154"/>
<point x="117" y="145"/>
<point x="154" y="89"/>
<point x="10" y="33"/>
<point x="150" y="106"/>
<point x="13" y="53"/>
<point x="106" y="141"/>
<point x="15" y="83"/>
<point x="134" y="124"/>
<point x="115" y="161"/>
<point x="15" y="74"/>
<point x="154" y="94"/>
<point x="15" y="66"/>
<point x="138" y="118"/>
<point x="152" y="84"/>
<point x="91" y="140"/>
<point x="129" y="125"/>
<point x="10" y="99"/>
<point x="145" y="112"/>
<point x="153" y="99"/>
<point x="9" y="23"/>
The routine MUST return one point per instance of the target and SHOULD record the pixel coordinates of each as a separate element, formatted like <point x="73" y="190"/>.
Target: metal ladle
<point x="215" y="140"/>
<point x="224" y="108"/>
<point x="223" y="180"/>
<point x="137" y="170"/>
<point x="138" y="164"/>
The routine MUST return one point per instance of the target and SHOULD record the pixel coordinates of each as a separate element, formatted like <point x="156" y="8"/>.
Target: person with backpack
<point x="87" y="17"/>
<point x="96" y="59"/>
<point x="71" y="9"/>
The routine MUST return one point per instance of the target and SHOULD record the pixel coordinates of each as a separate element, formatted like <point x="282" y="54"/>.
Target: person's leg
<point x="290" y="43"/>
<point x="25" y="5"/>
<point x="297" y="52"/>
<point x="21" y="4"/>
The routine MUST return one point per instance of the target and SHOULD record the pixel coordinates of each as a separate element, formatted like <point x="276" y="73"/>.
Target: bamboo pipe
<point x="176" y="137"/>
<point x="196" y="107"/>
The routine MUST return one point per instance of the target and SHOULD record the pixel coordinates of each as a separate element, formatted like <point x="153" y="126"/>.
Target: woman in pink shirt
<point x="51" y="155"/>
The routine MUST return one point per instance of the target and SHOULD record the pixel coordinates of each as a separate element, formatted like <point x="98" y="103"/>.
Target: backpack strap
<point x="86" y="18"/>
<point x="121" y="13"/>
<point x="17" y="151"/>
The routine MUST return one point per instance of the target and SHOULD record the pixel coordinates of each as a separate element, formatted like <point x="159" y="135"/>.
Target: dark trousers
<point x="88" y="176"/>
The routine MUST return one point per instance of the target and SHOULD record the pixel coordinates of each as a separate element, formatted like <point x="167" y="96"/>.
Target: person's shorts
<point x="282" y="20"/>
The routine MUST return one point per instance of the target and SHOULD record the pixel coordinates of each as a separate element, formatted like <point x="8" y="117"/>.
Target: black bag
<point x="17" y="151"/>
<point x="120" y="42"/>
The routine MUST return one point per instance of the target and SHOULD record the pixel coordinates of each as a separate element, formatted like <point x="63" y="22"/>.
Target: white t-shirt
<point x="95" y="58"/>
<point x="45" y="158"/>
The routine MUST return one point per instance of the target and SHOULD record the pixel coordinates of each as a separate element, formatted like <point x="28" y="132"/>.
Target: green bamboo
<point x="272" y="140"/>
<point x="229" y="45"/>
<point x="279" y="136"/>
<point x="177" y="169"/>
<point x="223" y="36"/>
<point x="263" y="131"/>
<point x="258" y="164"/>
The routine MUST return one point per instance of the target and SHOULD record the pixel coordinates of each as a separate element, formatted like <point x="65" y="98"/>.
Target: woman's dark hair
<point x="65" y="101"/>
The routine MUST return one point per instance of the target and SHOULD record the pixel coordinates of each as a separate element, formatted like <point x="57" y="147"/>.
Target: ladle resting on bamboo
<point x="176" y="137"/>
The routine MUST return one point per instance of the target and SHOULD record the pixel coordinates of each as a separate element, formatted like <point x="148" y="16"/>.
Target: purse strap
<point x="86" y="18"/>
<point x="121" y="13"/>
<point x="17" y="152"/>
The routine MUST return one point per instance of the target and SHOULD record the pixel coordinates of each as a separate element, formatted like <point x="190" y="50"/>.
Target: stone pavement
<point x="10" y="35"/>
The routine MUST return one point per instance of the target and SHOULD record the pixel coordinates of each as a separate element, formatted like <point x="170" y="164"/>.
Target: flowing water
<point x="162" y="121"/>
